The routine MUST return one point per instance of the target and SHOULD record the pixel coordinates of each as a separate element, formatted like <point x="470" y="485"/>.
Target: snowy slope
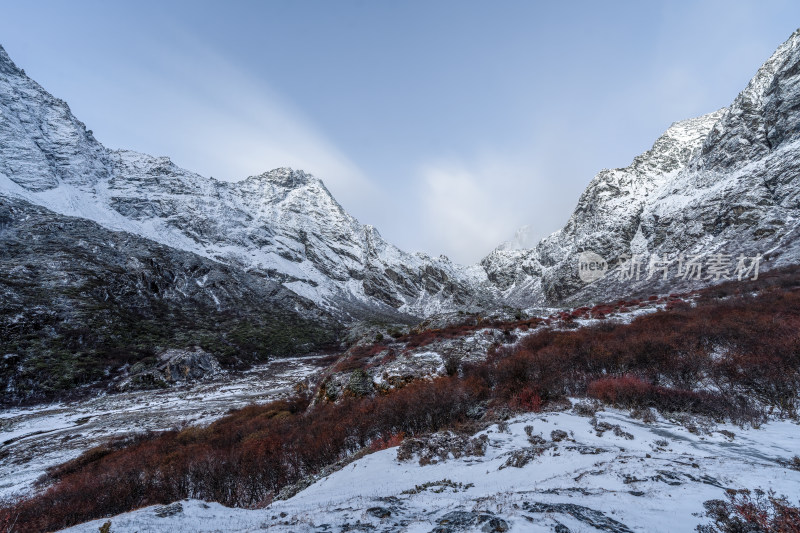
<point x="640" y="477"/>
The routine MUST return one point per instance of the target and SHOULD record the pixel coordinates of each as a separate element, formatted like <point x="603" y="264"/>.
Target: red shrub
<point x="389" y="441"/>
<point x="744" y="512"/>
<point x="625" y="390"/>
<point x="358" y="357"/>
<point x="527" y="399"/>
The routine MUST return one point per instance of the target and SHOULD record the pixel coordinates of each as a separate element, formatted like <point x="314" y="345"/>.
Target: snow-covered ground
<point x="638" y="476"/>
<point x="36" y="438"/>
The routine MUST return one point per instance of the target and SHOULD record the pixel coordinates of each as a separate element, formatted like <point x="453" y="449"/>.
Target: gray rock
<point x="379" y="512"/>
<point x="172" y="509"/>
<point x="588" y="516"/>
<point x="360" y="383"/>
<point x="523" y="456"/>
<point x="186" y="365"/>
<point x="455" y="521"/>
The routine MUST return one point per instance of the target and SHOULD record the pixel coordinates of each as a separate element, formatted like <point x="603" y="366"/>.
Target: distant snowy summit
<point x="523" y="239"/>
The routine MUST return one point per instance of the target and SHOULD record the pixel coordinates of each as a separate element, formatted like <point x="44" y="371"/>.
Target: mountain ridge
<point x="283" y="223"/>
<point x="286" y="225"/>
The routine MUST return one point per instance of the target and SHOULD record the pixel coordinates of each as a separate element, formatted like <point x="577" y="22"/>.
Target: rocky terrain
<point x="82" y="305"/>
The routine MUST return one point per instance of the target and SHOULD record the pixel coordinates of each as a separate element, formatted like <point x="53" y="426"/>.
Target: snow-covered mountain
<point x="81" y="305"/>
<point x="283" y="224"/>
<point x="722" y="183"/>
<point x="725" y="183"/>
<point x="605" y="220"/>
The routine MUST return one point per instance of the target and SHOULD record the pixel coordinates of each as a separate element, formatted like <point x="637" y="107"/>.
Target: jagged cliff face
<point x="41" y="142"/>
<point x="724" y="183"/>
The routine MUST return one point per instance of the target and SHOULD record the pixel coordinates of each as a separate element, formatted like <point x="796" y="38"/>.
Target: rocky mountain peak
<point x="41" y="142"/>
<point x="6" y="64"/>
<point x="724" y="183"/>
<point x="676" y="146"/>
<point x="285" y="177"/>
<point x="618" y="194"/>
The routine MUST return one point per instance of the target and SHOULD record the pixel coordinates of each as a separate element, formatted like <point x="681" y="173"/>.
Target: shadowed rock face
<point x="80" y="304"/>
<point x="188" y="365"/>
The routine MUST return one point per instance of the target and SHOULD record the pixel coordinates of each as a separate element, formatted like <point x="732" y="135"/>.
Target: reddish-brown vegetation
<point x="358" y="357"/>
<point x="748" y="512"/>
<point x="527" y="399"/>
<point x="632" y="392"/>
<point x="244" y="458"/>
<point x="728" y="355"/>
<point x="389" y="441"/>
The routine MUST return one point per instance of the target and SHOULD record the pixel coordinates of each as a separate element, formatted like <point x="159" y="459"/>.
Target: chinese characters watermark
<point x="636" y="267"/>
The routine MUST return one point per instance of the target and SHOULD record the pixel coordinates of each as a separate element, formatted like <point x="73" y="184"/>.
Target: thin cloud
<point x="209" y="116"/>
<point x="470" y="207"/>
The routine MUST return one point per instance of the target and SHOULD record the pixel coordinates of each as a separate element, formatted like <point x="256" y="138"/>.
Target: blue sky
<point x="446" y="124"/>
